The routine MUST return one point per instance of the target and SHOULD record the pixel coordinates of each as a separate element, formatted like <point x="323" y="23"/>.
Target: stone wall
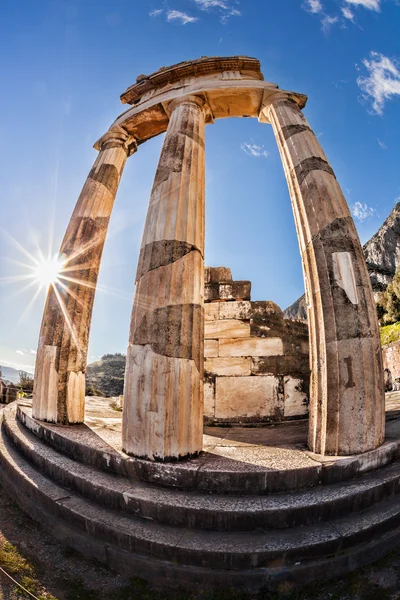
<point x="391" y="360"/>
<point x="8" y="392"/>
<point x="256" y="362"/>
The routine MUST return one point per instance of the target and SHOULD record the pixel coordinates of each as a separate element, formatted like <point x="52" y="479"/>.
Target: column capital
<point x="271" y="97"/>
<point x="191" y="99"/>
<point x="117" y="137"/>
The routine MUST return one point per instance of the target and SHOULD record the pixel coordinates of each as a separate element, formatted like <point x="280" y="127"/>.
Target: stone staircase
<point x="178" y="533"/>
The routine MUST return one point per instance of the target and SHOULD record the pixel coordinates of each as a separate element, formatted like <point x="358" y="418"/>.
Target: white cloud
<point x="19" y="352"/>
<point x="369" y="4"/>
<point x="32" y="351"/>
<point x="226" y="8"/>
<point x="327" y="23"/>
<point x="347" y="13"/>
<point x="18" y="366"/>
<point x="254" y="150"/>
<point x="382" y="144"/>
<point x="177" y="15"/>
<point x="313" y="6"/>
<point x="382" y="82"/>
<point x="361" y="212"/>
<point x="207" y="4"/>
<point x="156" y="12"/>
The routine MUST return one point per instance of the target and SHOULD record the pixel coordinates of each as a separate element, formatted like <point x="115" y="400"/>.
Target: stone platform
<point x="255" y="510"/>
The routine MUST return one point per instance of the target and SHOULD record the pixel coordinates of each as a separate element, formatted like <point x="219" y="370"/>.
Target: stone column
<point x="347" y="410"/>
<point x="59" y="385"/>
<point x="163" y="397"/>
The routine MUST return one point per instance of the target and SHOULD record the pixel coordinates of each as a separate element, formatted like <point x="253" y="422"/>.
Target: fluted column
<point x="163" y="397"/>
<point x="59" y="388"/>
<point x="347" y="395"/>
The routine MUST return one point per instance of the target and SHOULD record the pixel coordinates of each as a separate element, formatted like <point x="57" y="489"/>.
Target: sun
<point x="47" y="271"/>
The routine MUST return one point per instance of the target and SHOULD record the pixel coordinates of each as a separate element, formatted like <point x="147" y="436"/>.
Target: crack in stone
<point x="162" y="253"/>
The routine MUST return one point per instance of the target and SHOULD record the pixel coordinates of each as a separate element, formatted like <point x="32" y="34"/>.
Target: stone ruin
<point x="256" y="363"/>
<point x="154" y="494"/>
<point x="8" y="392"/>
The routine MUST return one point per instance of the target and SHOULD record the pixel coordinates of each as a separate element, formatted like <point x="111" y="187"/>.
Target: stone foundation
<point x="256" y="365"/>
<point x="391" y="364"/>
<point x="8" y="392"/>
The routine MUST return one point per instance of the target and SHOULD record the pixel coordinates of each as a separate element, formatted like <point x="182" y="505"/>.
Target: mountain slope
<point x="12" y="374"/>
<point x="382" y="254"/>
<point x="382" y="251"/>
<point x="107" y="374"/>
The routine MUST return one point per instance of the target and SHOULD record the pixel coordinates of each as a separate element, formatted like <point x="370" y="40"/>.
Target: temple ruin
<point x="154" y="494"/>
<point x="256" y="363"/>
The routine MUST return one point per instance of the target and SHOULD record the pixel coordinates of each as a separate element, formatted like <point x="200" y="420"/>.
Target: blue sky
<point x="63" y="66"/>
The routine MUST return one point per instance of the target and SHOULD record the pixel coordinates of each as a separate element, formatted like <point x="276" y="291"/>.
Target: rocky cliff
<point x="382" y="251"/>
<point x="382" y="254"/>
<point x="106" y="375"/>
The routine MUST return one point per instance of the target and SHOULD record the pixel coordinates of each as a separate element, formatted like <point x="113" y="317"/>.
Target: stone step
<point x="201" y="511"/>
<point x="145" y="546"/>
<point x="209" y="473"/>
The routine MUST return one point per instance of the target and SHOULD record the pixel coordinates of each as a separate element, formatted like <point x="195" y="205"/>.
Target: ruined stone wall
<point x="391" y="359"/>
<point x="256" y="362"/>
<point x="8" y="392"/>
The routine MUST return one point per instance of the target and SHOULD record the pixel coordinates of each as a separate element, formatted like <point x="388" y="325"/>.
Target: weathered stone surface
<point x="163" y="407"/>
<point x="204" y="66"/>
<point x="166" y="419"/>
<point x="228" y="328"/>
<point x="225" y="366"/>
<point x="211" y="311"/>
<point x="382" y="254"/>
<point x="391" y="359"/>
<point x="59" y="382"/>
<point x="251" y="347"/>
<point x="161" y="253"/>
<point x="211" y="292"/>
<point x="246" y="397"/>
<point x="162" y="287"/>
<point x="241" y="290"/>
<point x="295" y="365"/>
<point x="236" y="290"/>
<point x="211" y="348"/>
<point x="209" y="399"/>
<point x="8" y="392"/>
<point x="296" y="397"/>
<point x="174" y="330"/>
<point x="217" y="275"/>
<point x="347" y="396"/>
<point x="234" y="310"/>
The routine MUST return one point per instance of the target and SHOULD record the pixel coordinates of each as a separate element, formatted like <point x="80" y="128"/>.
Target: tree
<point x="25" y="382"/>
<point x="388" y="302"/>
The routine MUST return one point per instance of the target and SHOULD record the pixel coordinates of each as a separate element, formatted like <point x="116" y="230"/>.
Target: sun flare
<point x="47" y="271"/>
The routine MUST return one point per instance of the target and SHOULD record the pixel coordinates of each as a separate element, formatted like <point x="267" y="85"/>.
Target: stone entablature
<point x="256" y="365"/>
<point x="205" y="66"/>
